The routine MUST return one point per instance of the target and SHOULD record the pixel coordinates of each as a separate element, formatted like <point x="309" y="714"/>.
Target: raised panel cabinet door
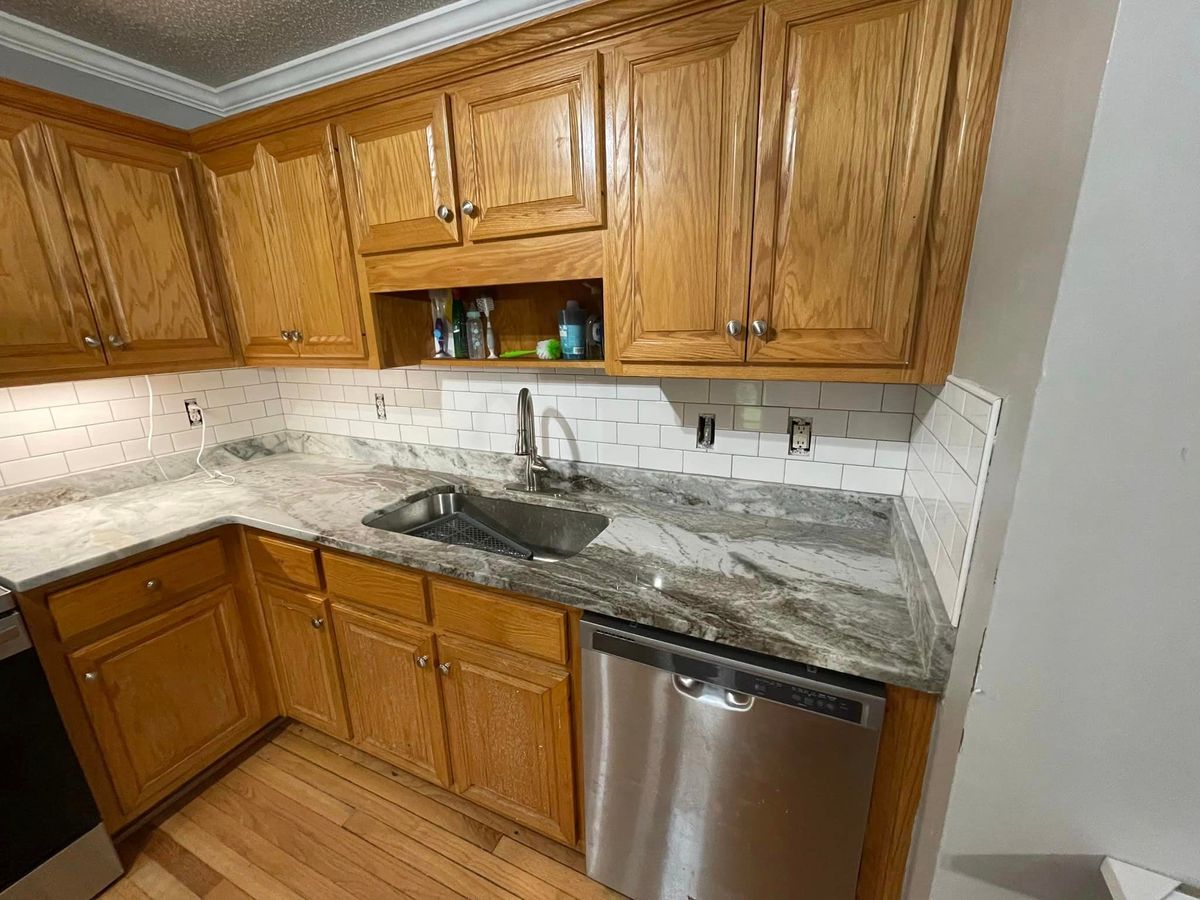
<point x="526" y="140"/>
<point x="169" y="696"/>
<point x="47" y="319"/>
<point x="239" y="205"/>
<point x="312" y="261"/>
<point x="510" y="734"/>
<point x="306" y="658"/>
<point x="851" y="111"/>
<point x="395" y="160"/>
<point x="135" y="216"/>
<point x="392" y="691"/>
<point x="681" y="130"/>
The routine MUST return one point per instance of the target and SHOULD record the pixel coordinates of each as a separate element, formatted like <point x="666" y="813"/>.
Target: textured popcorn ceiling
<point x="216" y="41"/>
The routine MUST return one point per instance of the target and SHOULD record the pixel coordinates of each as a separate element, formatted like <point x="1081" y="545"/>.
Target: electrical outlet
<point x="194" y="413"/>
<point x="380" y="407"/>
<point x="706" y="431"/>
<point x="799" y="436"/>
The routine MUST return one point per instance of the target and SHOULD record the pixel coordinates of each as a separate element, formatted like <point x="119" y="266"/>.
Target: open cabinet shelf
<point x="520" y="362"/>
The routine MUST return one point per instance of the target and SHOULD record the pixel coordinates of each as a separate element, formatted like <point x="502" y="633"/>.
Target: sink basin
<point x="508" y="527"/>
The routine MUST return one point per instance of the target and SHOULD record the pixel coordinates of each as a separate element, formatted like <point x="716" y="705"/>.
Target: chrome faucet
<point x="527" y="445"/>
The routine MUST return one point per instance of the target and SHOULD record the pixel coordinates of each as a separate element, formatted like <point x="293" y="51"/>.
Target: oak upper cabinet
<point x="526" y="142"/>
<point x="283" y="239"/>
<point x="395" y="160"/>
<point x="305" y="657"/>
<point x="392" y="690"/>
<point x="851" y="106"/>
<point x="48" y="321"/>
<point x="169" y="696"/>
<point x="510" y="734"/>
<point x="682" y="105"/>
<point x="135" y="218"/>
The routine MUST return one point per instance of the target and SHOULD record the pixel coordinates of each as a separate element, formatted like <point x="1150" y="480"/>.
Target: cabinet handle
<point x="422" y="662"/>
<point x="445" y="213"/>
<point x="153" y="584"/>
<point x="91" y="676"/>
<point x="297" y="336"/>
<point x="759" y="327"/>
<point x="286" y="335"/>
<point x="116" y="341"/>
<point x="469" y="208"/>
<point x="317" y="622"/>
<point x="733" y="328"/>
<point x="444" y="668"/>
<point x="91" y="341"/>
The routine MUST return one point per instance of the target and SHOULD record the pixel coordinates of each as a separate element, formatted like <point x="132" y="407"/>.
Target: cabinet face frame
<point x="368" y="700"/>
<point x="427" y="119"/>
<point x="35" y="242"/>
<point x="128" y="310"/>
<point x="648" y="184"/>
<point x="880" y="305"/>
<point x="488" y="170"/>
<point x="118" y="738"/>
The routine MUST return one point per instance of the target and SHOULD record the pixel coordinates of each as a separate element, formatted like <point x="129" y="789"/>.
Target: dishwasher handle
<point x="711" y="694"/>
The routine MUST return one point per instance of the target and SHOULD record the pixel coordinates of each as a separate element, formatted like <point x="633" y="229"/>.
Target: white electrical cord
<point x="214" y="475"/>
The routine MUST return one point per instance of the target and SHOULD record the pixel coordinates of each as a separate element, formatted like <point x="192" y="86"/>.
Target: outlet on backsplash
<point x="195" y="414"/>
<point x="799" y="436"/>
<point x="380" y="407"/>
<point x="706" y="430"/>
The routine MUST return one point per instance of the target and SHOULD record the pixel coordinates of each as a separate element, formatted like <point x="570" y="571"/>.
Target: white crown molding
<point x="423" y="34"/>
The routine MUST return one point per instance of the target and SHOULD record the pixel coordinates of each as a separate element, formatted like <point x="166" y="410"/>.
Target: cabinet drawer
<point x="142" y="586"/>
<point x="284" y="560"/>
<point x="513" y="624"/>
<point x="385" y="587"/>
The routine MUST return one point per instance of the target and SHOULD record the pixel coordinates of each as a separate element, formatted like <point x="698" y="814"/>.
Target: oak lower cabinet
<point x="510" y="734"/>
<point x="168" y="696"/>
<point x="392" y="690"/>
<point x="305" y="657"/>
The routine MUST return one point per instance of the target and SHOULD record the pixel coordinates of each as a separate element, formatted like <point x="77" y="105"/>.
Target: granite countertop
<point x="829" y="579"/>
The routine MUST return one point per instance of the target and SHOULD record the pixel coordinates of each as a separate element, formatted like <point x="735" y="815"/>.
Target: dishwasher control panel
<point x="802" y="697"/>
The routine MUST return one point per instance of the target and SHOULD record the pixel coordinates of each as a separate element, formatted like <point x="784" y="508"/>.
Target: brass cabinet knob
<point x="422" y="662"/>
<point x="116" y="340"/>
<point x="91" y="676"/>
<point x="759" y="327"/>
<point x="469" y="208"/>
<point x="444" y="668"/>
<point x="153" y="584"/>
<point x="733" y="328"/>
<point x="317" y="622"/>
<point x="91" y="341"/>
<point x="445" y="213"/>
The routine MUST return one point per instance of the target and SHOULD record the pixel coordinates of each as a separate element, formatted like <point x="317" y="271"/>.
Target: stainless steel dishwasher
<point x="711" y="773"/>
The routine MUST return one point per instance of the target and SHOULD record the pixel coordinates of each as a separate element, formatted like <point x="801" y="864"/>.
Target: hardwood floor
<point x="308" y="816"/>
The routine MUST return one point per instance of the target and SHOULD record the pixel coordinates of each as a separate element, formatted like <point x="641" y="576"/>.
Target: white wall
<point x="1084" y="738"/>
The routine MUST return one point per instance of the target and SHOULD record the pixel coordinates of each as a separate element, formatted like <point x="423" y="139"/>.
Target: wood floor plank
<point x="349" y="846"/>
<point x="563" y="877"/>
<point x="124" y="889"/>
<point x="407" y="834"/>
<point x="429" y="808"/>
<point x="157" y="882"/>
<point x="287" y="869"/>
<point x="227" y="890"/>
<point x="494" y="821"/>
<point x="453" y="875"/>
<point x="318" y="801"/>
<point x="232" y="866"/>
<point x="195" y="874"/>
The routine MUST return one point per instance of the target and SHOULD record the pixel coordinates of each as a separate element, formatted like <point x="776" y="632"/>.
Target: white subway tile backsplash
<point x="879" y="426"/>
<point x="103" y="389"/>
<point x="57" y="441"/>
<point x="33" y="468"/>
<point x="891" y="454"/>
<point x="852" y="451"/>
<point x="200" y="381"/>
<point x="836" y="395"/>
<point x="899" y="397"/>
<point x="760" y="418"/>
<point x="825" y="422"/>
<point x="708" y="463"/>
<point x="756" y="468"/>
<point x="872" y="480"/>
<point x="660" y="412"/>
<point x="643" y="435"/>
<point x="792" y="393"/>
<point x="25" y="421"/>
<point x="94" y="457"/>
<point x="13" y="448"/>
<point x="37" y="396"/>
<point x="658" y="458"/>
<point x="812" y="474"/>
<point x="736" y="393"/>
<point x="617" y="410"/>
<point x="5" y="401"/>
<point x="686" y="390"/>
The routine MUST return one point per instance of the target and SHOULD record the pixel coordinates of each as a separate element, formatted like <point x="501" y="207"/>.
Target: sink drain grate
<point x="464" y="531"/>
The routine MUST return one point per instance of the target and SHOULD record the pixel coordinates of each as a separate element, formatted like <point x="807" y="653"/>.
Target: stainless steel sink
<point x="508" y="527"/>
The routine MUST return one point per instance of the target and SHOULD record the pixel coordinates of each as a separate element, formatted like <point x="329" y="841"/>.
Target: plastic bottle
<point x="458" y="347"/>
<point x="571" y="323"/>
<point x="475" y="343"/>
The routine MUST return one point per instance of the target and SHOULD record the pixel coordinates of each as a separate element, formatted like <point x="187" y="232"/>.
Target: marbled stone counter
<point x="839" y="583"/>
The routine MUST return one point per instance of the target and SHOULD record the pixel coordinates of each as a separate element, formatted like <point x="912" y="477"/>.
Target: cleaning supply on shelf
<point x="475" y="344"/>
<point x="486" y="303"/>
<point x="594" y="337"/>
<point x="549" y="349"/>
<point x="459" y="327"/>
<point x="439" y="302"/>
<point x="571" y="322"/>
<point x="517" y="354"/>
